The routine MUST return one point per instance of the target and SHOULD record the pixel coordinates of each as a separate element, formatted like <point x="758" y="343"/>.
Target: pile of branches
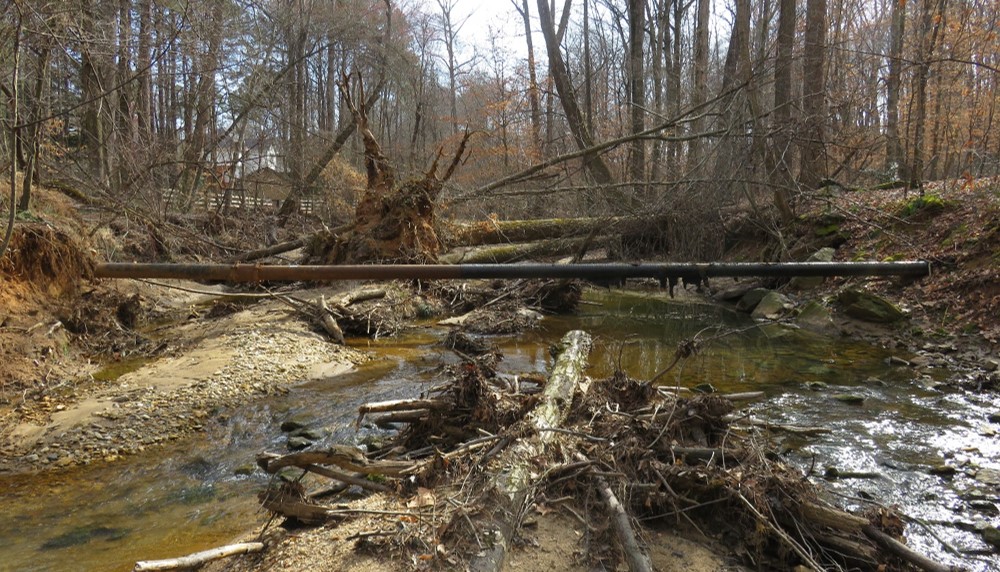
<point x="470" y="459"/>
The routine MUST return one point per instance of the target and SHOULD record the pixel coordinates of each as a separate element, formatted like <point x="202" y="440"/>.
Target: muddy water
<point x="194" y="496"/>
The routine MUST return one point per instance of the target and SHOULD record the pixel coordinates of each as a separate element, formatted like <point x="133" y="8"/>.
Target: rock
<point x="850" y="398"/>
<point x="807" y="282"/>
<point x="298" y="443"/>
<point x="295" y="422"/>
<point x="815" y="317"/>
<point x="816" y="386"/>
<point x="991" y="365"/>
<point x="869" y="307"/>
<point x="994" y="418"/>
<point x="314" y="434"/>
<point x="245" y="470"/>
<point x="985" y="507"/>
<point x="943" y="470"/>
<point x="750" y="300"/>
<point x="991" y="535"/>
<point x="771" y="307"/>
<point x="988" y="477"/>
<point x="733" y="292"/>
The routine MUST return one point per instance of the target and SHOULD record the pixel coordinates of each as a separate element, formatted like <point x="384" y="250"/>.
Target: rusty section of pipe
<point x="666" y="271"/>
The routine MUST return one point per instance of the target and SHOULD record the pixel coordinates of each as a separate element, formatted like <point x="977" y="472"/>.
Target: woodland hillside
<point x="690" y="109"/>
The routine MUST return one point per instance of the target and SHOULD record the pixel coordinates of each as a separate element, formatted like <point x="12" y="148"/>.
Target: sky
<point x="481" y="15"/>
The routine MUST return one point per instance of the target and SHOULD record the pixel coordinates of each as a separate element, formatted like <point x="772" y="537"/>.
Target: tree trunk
<point x="813" y="166"/>
<point x="780" y="153"/>
<point x="930" y="25"/>
<point x="594" y="163"/>
<point x="637" y="88"/>
<point x="701" y="49"/>
<point x="144" y="62"/>
<point x="536" y="110"/>
<point x="507" y="231"/>
<point x="515" y="484"/>
<point x="34" y="140"/>
<point x="893" y="148"/>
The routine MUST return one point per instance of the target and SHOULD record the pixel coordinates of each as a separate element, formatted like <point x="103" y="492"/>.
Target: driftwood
<point x="399" y="405"/>
<point x="274" y="250"/>
<point x="906" y="553"/>
<point x="515" y="484"/>
<point x="343" y="456"/>
<point x="638" y="560"/>
<point x="199" y="558"/>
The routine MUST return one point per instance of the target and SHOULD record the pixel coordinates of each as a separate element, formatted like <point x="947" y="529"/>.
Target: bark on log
<point x="198" y="558"/>
<point x="638" y="560"/>
<point x="280" y="248"/>
<point x="399" y="405"/>
<point x="832" y="517"/>
<point x="514" y="252"/>
<point x="504" y="231"/>
<point x="514" y="487"/>
<point x="906" y="553"/>
<point x="347" y="458"/>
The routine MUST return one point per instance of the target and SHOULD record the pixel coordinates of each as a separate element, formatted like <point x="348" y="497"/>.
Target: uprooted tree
<point x="391" y="223"/>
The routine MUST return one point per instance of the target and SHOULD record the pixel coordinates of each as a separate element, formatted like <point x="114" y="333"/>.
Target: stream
<point x="201" y="493"/>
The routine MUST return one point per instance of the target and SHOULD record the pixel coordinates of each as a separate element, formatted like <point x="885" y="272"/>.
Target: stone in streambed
<point x="313" y="434"/>
<point x="869" y="307"/>
<point x="849" y="398"/>
<point x="295" y="422"/>
<point x="808" y="282"/>
<point x="816" y="317"/>
<point x="750" y="300"/>
<point x="298" y="443"/>
<point x="772" y="307"/>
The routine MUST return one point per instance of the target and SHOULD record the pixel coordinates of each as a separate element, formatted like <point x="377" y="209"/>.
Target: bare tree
<point x="637" y="86"/>
<point x="594" y="163"/>
<point x="813" y="167"/>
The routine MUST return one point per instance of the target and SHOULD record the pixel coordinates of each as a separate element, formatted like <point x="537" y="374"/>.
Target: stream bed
<point x="201" y="492"/>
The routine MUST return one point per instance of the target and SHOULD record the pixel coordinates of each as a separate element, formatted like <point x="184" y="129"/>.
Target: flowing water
<point x="202" y="492"/>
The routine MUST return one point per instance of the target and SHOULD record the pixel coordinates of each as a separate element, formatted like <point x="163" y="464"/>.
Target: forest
<point x="830" y="412"/>
<point x="685" y="109"/>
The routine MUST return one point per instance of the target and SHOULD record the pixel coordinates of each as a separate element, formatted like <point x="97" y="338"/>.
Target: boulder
<point x="733" y="293"/>
<point x="750" y="300"/>
<point x="772" y="307"/>
<point x="298" y="443"/>
<point x="807" y="282"/>
<point x="816" y="317"/>
<point x="869" y="307"/>
<point x="295" y="422"/>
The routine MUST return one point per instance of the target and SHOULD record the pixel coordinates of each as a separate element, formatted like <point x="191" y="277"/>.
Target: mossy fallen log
<point x="491" y="231"/>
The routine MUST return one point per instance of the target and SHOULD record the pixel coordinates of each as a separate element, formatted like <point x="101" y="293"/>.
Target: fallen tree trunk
<point x="520" y="251"/>
<point x="198" y="558"/>
<point x="516" y="481"/>
<point x="505" y="231"/>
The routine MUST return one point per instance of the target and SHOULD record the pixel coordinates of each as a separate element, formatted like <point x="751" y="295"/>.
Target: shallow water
<point x="189" y="497"/>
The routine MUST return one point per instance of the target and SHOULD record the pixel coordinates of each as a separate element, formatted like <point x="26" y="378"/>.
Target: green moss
<point x="828" y="230"/>
<point x="928" y="203"/>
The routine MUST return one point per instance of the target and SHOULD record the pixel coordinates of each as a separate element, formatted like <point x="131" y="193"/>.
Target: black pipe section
<point x="666" y="271"/>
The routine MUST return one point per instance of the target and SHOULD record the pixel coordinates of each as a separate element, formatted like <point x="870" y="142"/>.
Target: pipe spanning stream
<point x="662" y="272"/>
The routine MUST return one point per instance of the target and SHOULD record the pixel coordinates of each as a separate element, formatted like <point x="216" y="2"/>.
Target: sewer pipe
<point x="615" y="271"/>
